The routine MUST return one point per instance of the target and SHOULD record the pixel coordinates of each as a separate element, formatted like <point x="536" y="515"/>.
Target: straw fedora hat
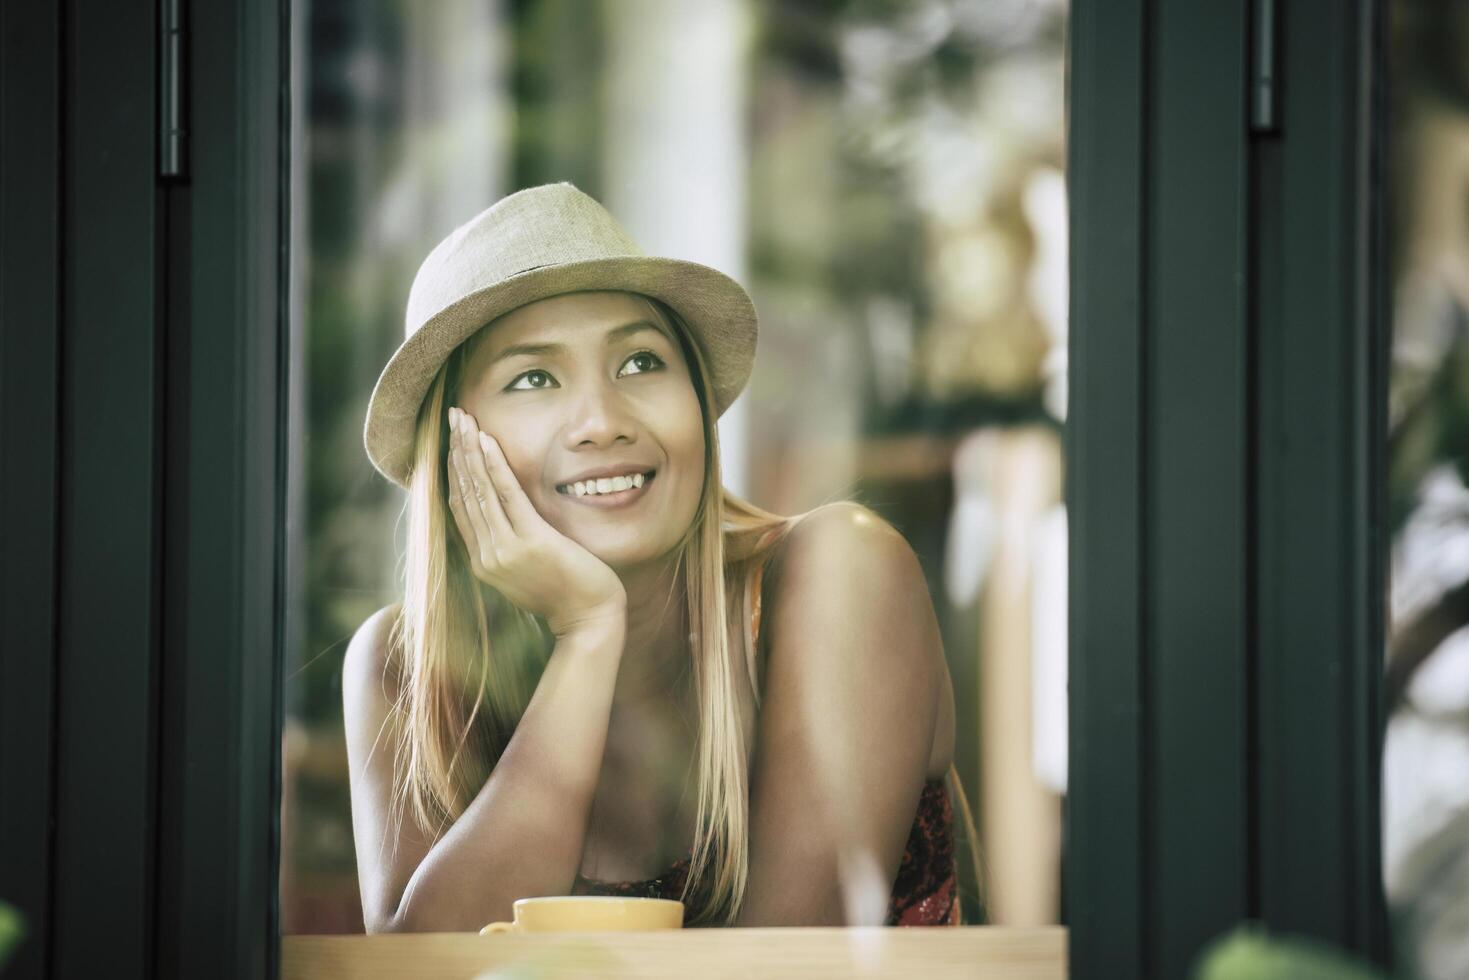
<point x="535" y="243"/>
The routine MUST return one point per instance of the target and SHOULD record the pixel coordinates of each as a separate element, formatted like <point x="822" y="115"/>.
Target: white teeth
<point x="613" y="484"/>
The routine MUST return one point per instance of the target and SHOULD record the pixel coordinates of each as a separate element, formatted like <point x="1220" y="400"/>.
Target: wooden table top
<point x="963" y="951"/>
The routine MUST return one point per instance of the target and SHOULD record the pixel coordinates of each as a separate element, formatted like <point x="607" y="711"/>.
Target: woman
<point x="577" y="693"/>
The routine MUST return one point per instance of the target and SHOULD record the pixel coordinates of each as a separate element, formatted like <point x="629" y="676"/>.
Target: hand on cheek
<point x="510" y="545"/>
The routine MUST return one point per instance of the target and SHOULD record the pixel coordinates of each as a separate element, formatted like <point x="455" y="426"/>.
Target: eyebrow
<point x="615" y="334"/>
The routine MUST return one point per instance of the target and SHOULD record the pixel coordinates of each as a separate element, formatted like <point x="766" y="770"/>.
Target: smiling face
<point x="588" y="382"/>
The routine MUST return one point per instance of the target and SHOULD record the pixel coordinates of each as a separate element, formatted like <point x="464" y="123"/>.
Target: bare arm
<point x="522" y="834"/>
<point x="524" y="831"/>
<point x="852" y="688"/>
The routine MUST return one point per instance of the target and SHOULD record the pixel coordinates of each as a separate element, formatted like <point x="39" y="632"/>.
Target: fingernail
<point x="453" y="415"/>
<point x="484" y="442"/>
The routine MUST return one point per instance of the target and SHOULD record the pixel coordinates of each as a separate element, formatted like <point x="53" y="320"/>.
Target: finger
<point x="472" y="444"/>
<point x="456" y="507"/>
<point x="521" y="512"/>
<point x="472" y="496"/>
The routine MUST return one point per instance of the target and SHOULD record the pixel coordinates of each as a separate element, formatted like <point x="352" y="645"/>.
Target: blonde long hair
<point x="467" y="660"/>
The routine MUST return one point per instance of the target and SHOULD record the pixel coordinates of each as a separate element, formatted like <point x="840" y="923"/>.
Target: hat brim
<point x="715" y="307"/>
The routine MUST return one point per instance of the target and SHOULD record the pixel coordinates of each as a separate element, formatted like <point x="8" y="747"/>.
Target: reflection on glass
<point x="1426" y="755"/>
<point x="885" y="179"/>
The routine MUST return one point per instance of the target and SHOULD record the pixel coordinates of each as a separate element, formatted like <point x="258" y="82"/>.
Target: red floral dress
<point x="925" y="892"/>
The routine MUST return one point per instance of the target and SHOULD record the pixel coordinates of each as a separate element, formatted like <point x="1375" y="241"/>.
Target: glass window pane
<point x="885" y="180"/>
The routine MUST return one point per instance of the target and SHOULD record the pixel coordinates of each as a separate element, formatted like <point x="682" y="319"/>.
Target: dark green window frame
<point x="142" y="398"/>
<point x="1225" y="453"/>
<point x="1225" y="463"/>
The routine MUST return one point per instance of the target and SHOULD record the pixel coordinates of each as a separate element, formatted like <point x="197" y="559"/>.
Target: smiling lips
<point x="608" y="492"/>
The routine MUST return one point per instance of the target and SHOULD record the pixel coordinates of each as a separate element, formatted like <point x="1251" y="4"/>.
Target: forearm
<point x="523" y="833"/>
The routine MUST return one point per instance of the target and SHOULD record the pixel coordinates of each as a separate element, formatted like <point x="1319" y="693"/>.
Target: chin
<point x="618" y="558"/>
<point x="619" y="552"/>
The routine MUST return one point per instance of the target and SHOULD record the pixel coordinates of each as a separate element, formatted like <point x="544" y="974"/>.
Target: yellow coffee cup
<point x="591" y="913"/>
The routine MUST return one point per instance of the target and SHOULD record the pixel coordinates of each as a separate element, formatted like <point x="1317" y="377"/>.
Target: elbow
<point x="415" y="918"/>
<point x="376" y="922"/>
<point x="383" y="917"/>
<point x="396" y="923"/>
<point x="387" y="907"/>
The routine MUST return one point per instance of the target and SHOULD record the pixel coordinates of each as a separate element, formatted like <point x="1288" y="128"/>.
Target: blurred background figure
<point x="885" y="177"/>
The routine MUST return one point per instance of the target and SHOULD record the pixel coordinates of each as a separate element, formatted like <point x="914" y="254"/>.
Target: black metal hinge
<point x="1264" y="86"/>
<point x="173" y="135"/>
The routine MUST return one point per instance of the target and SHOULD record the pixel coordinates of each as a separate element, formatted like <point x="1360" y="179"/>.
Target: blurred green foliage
<point x="12" y="931"/>
<point x="1249" y="953"/>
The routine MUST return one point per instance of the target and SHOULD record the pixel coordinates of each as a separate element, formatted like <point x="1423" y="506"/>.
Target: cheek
<point x="527" y="474"/>
<point x="690" y="442"/>
<point x="519" y="453"/>
<point x="696" y="453"/>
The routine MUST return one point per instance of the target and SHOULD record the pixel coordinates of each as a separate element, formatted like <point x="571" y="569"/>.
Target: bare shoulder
<point x="851" y="596"/>
<point x="847" y="537"/>
<point x="846" y="572"/>
<point x="366" y="659"/>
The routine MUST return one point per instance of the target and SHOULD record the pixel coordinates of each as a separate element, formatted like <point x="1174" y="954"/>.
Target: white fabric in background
<point x="1048" y="663"/>
<point x="969" y="546"/>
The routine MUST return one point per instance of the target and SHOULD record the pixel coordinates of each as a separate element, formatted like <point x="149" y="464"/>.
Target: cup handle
<point x="495" y="927"/>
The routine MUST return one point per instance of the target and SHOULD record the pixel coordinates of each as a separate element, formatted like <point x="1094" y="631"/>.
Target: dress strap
<point x="753" y="589"/>
<point x="755" y="580"/>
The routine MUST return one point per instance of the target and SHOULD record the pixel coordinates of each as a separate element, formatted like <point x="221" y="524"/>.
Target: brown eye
<point x="645" y="357"/>
<point x="516" y="386"/>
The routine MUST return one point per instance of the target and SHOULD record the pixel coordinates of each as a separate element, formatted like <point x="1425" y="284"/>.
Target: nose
<point x="599" y="417"/>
